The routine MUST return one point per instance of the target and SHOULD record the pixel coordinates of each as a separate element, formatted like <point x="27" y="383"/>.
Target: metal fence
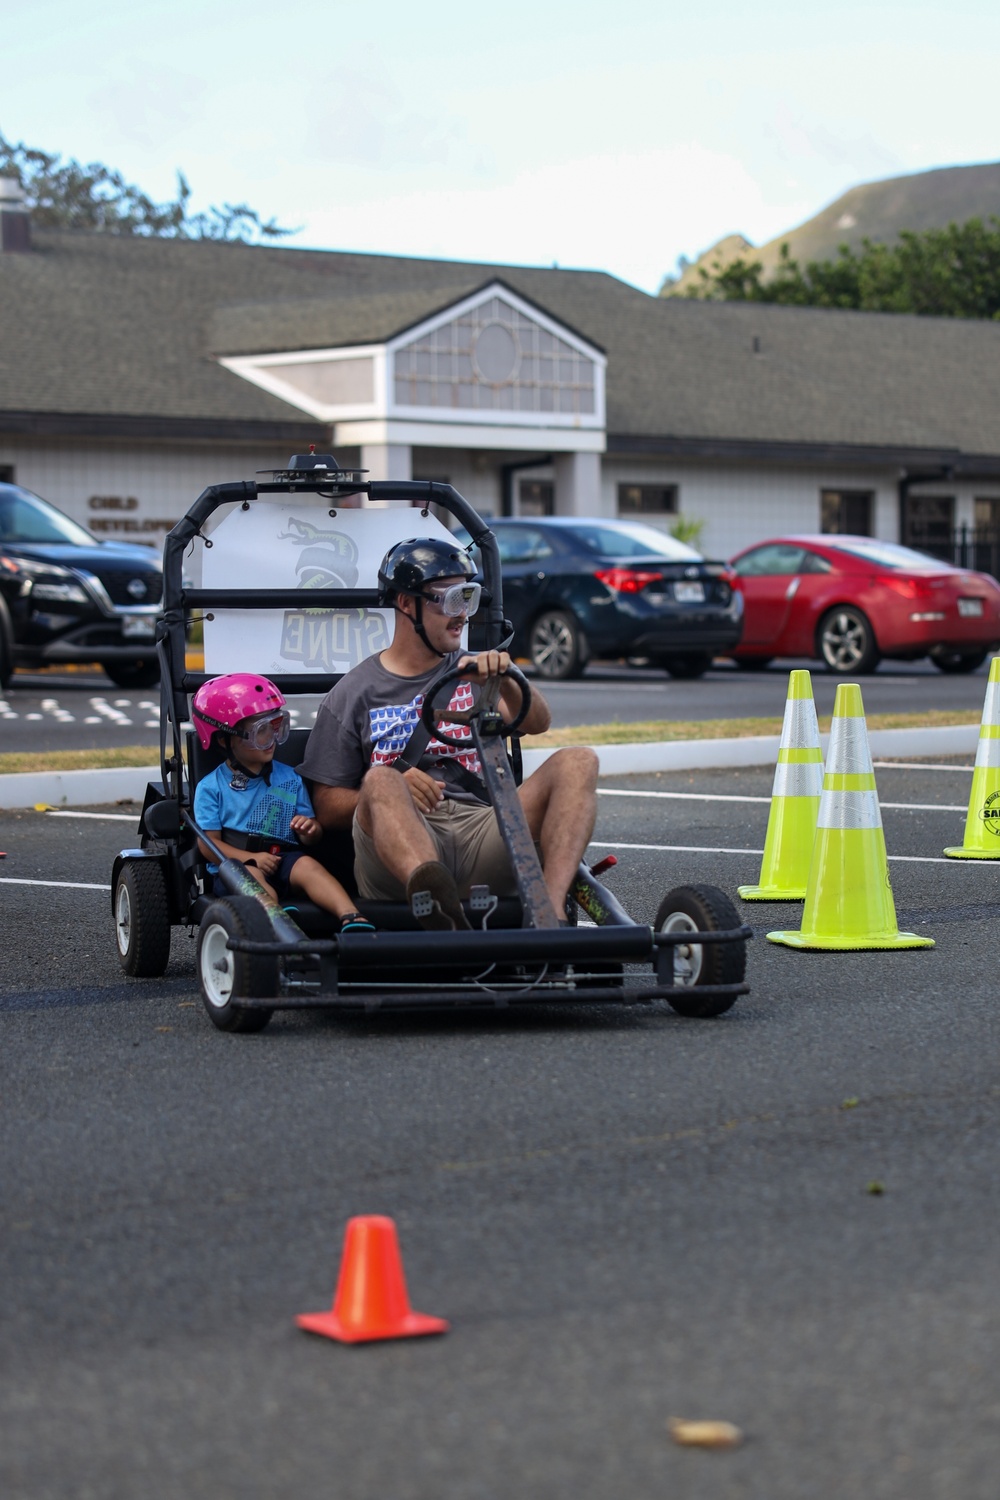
<point x="966" y="546"/>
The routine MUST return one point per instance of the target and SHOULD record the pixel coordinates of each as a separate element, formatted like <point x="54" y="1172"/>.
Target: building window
<point x="493" y="358"/>
<point x="6" y="473"/>
<point x="929" y="524"/>
<point x="846" y="512"/>
<point x="647" y="499"/>
<point x="536" y="497"/>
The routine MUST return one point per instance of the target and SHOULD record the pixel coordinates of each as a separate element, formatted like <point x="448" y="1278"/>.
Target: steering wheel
<point x="485" y="704"/>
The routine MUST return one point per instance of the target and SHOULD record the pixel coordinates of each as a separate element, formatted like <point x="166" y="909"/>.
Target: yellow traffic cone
<point x="798" y="782"/>
<point x="982" y="821"/>
<point x="848" y="898"/>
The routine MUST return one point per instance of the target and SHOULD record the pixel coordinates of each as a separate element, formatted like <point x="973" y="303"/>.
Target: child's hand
<point x="266" y="863"/>
<point x="307" y="829"/>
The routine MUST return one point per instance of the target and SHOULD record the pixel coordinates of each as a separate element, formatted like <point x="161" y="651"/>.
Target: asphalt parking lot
<point x="625" y="1215"/>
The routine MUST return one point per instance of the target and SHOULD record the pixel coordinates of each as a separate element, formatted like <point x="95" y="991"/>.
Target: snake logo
<point x="328" y="560"/>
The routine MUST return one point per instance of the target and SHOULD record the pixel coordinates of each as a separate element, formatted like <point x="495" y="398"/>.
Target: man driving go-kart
<point x="430" y="832"/>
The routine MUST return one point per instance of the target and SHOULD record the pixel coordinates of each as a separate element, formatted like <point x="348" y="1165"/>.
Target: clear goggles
<point x="267" y="730"/>
<point x="460" y="599"/>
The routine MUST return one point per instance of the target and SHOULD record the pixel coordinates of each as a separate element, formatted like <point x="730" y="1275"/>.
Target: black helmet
<point x="408" y="565"/>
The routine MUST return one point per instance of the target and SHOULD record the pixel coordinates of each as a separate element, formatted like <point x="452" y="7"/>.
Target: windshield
<point x="25" y="517"/>
<point x="632" y="539"/>
<point x="887" y="554"/>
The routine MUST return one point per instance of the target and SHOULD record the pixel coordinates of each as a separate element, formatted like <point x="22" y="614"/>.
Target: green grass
<point x="582" y="734"/>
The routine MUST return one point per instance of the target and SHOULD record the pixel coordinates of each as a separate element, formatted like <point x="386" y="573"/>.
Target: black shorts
<point x="279" y="880"/>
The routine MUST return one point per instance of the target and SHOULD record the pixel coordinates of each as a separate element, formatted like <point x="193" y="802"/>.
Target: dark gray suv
<point x="66" y="597"/>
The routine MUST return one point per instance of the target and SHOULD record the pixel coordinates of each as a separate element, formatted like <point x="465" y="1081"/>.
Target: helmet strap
<point x="418" y="625"/>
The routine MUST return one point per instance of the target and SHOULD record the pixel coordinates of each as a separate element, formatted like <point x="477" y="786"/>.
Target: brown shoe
<point x="433" y="898"/>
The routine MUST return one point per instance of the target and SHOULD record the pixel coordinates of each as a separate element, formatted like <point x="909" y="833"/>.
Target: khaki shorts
<point x="469" y="844"/>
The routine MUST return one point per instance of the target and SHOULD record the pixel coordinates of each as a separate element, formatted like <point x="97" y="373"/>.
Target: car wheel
<point x="557" y="646"/>
<point x="133" y="674"/>
<point x="227" y="977"/>
<point x="687" y="665"/>
<point x="702" y="908"/>
<point x="6" y="647"/>
<point x="846" y="641"/>
<point x="956" y="661"/>
<point x="142" y="919"/>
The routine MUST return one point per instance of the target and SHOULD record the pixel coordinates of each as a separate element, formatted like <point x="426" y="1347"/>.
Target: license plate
<point x="689" y="593"/>
<point x="970" y="607"/>
<point x="138" y="627"/>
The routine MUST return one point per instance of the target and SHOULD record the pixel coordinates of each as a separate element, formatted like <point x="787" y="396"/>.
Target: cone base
<point x="873" y="943"/>
<point x="770" y="893"/>
<point x="329" y="1326"/>
<point x="963" y="853"/>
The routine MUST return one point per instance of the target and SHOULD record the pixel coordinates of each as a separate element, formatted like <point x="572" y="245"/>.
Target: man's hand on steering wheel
<point x="485" y="664"/>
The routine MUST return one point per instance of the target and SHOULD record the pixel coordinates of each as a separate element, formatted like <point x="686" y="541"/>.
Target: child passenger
<point x="255" y="808"/>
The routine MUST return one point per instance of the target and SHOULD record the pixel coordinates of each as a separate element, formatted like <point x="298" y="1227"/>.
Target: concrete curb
<point x="84" y="788"/>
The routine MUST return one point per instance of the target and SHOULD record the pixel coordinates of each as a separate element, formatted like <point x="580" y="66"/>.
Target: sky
<point x="616" y="137"/>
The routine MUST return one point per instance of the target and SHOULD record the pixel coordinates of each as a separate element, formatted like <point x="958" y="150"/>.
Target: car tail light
<point x="910" y="588"/>
<point x="627" y="580"/>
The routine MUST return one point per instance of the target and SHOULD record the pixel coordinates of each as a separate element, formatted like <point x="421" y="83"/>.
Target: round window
<point x="496" y="354"/>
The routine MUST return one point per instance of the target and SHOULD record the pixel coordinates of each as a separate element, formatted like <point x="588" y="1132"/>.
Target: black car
<point x="577" y="587"/>
<point x="66" y="597"/>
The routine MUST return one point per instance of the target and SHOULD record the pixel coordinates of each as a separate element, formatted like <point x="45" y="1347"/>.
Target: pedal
<point x="421" y="904"/>
<point x="480" y="898"/>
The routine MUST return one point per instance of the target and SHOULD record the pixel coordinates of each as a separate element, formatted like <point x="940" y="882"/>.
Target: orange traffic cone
<point x="371" y="1301"/>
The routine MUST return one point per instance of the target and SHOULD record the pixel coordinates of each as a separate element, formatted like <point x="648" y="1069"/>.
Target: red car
<point x="850" y="600"/>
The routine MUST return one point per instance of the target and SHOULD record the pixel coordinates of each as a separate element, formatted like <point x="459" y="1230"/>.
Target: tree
<point x="946" y="273"/>
<point x="67" y="195"/>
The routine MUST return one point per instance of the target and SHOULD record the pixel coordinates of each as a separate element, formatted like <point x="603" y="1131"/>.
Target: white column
<point x="578" y="484"/>
<point x="387" y="460"/>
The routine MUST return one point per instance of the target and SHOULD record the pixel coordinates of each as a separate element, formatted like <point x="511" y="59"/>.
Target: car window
<point x="887" y="554"/>
<point x="774" y="558"/>
<point x="26" y="518"/>
<point x="627" y="539"/>
<point x="521" y="544"/>
<point x="813" y="563"/>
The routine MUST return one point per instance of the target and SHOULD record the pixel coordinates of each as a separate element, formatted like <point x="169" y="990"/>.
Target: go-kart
<point x="254" y="956"/>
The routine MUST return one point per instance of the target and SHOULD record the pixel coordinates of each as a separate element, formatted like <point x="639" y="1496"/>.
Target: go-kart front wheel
<point x="142" y="919"/>
<point x="226" y="976"/>
<point x="702" y="908"/>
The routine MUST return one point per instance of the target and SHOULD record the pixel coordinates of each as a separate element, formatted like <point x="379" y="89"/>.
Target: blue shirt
<point x="249" y="804"/>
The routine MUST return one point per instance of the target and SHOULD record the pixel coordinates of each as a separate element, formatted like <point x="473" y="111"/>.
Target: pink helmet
<point x="223" y="702"/>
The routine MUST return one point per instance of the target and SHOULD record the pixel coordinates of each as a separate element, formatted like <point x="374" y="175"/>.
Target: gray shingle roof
<point x="105" y="326"/>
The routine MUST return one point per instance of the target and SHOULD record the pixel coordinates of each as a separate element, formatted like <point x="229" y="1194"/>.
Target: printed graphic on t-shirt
<point x="391" y="727"/>
<point x="272" y="815"/>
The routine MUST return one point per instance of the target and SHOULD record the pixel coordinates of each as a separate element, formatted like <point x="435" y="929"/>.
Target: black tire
<point x="226" y="977"/>
<point x="687" y="665"/>
<point x="142" y="918"/>
<point x="702" y="908"/>
<point x="133" y="674"/>
<point x="557" y="646"/>
<point x="845" y="641"/>
<point x="954" y="662"/>
<point x="6" y="648"/>
<point x="753" y="663"/>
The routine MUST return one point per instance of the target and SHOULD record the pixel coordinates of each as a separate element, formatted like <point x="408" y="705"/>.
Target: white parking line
<point x="910" y="859"/>
<point x="914" y="765"/>
<point x="107" y="817"/>
<point x="606" y="791"/>
<point x="72" y="885"/>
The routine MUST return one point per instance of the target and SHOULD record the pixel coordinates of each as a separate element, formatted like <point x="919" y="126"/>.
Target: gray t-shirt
<point x="367" y="719"/>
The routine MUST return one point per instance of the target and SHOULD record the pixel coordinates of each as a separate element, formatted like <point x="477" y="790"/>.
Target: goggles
<point x="268" y="730"/>
<point x="460" y="599"/>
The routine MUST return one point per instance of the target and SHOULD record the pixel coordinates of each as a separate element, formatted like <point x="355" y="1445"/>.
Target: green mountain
<point x="874" y="211"/>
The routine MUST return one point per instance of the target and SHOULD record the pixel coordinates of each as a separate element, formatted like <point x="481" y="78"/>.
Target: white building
<point x="134" y="372"/>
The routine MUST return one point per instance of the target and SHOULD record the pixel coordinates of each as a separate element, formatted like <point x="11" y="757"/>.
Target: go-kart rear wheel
<point x="225" y="976"/>
<point x="702" y="908"/>
<point x="142" y="919"/>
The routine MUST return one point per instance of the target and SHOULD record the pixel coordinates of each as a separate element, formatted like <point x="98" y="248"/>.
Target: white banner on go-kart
<point x="288" y="543"/>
